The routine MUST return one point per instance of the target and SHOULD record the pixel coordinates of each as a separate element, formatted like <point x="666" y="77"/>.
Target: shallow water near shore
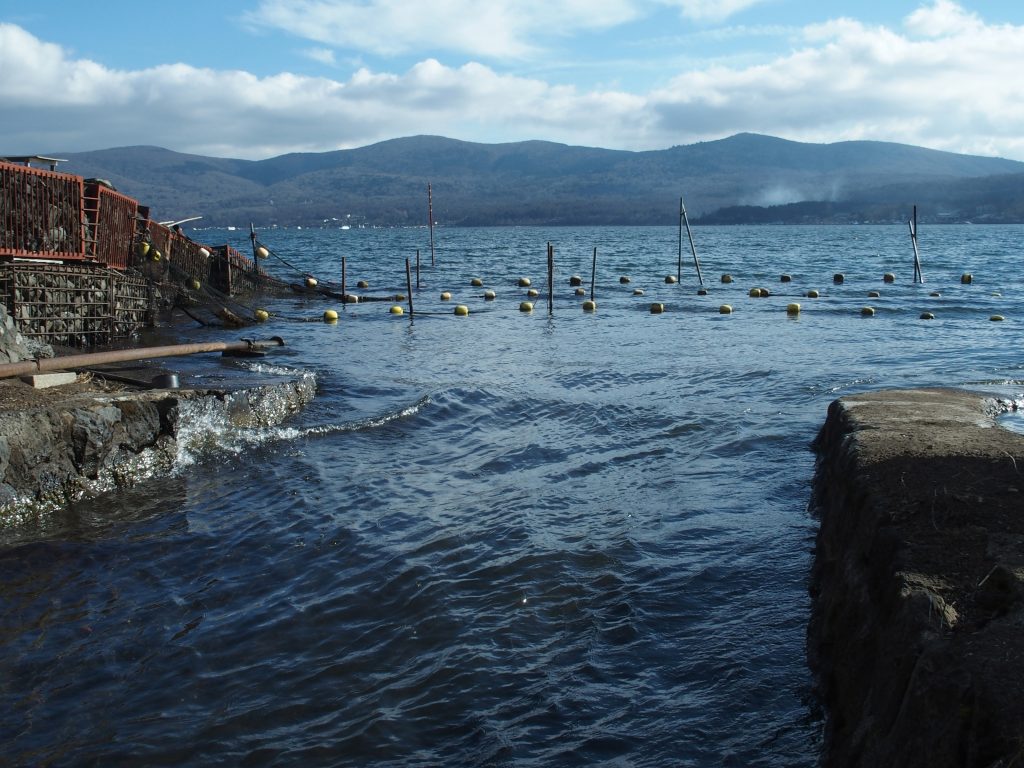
<point x="503" y="539"/>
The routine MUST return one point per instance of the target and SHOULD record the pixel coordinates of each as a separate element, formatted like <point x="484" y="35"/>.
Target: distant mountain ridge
<point x="539" y="182"/>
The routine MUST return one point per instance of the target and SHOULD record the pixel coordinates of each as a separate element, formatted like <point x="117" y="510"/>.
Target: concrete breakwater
<point x="58" y="445"/>
<point x="916" y="631"/>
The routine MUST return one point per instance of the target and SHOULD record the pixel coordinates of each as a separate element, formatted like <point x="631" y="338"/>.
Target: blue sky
<point x="258" y="78"/>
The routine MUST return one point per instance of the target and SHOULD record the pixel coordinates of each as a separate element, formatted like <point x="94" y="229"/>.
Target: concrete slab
<point x="55" y="379"/>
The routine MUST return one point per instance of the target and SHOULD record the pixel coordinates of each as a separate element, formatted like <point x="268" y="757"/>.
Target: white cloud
<point x="492" y="30"/>
<point x="930" y="82"/>
<point x="323" y="55"/>
<point x="711" y="10"/>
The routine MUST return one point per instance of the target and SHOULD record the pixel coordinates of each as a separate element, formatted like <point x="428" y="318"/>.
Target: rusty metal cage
<point x="40" y="214"/>
<point x="110" y="225"/>
<point x="74" y="305"/>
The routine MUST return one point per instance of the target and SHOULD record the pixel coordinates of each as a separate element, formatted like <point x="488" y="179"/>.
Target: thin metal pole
<point x="593" y="274"/>
<point x="417" y="269"/>
<point x="252" y="237"/>
<point x="343" y="279"/>
<point x="408" y="280"/>
<point x="551" y="279"/>
<point x="430" y="221"/>
<point x="679" y="261"/>
<point x="693" y="249"/>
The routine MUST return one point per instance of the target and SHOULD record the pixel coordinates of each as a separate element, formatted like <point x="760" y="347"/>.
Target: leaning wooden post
<point x="551" y="279"/>
<point x="430" y="222"/>
<point x="417" y="269"/>
<point x="408" y="283"/>
<point x="693" y="249"/>
<point x="252" y="237"/>
<point x="593" y="274"/>
<point x="918" y="274"/>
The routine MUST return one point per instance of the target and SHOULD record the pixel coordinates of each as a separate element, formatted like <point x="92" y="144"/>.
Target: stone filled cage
<point x="75" y="305"/>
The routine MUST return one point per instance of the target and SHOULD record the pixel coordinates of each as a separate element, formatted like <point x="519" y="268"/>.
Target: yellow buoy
<point x="262" y="252"/>
<point x="765" y="293"/>
<point x="261" y="315"/>
<point x="397" y="310"/>
<point x="311" y="282"/>
<point x="575" y="280"/>
<point x="838" y="278"/>
<point x="533" y="293"/>
<point x="446" y="296"/>
<point x="351" y="298"/>
<point x="873" y="294"/>
<point x="889" y="277"/>
<point x="997" y="318"/>
<point x="362" y="284"/>
<point x="657" y="309"/>
<point x="580" y="292"/>
<point x="793" y="309"/>
<point x="867" y="311"/>
<point x="589" y="306"/>
<point x="624" y="279"/>
<point x="476" y="282"/>
<point x="638" y="291"/>
<point x="204" y="252"/>
<point x="143" y="249"/>
<point x="702" y="291"/>
<point x="927" y="316"/>
<point x="755" y="292"/>
<point x="490" y="295"/>
<point x="400" y="297"/>
<point x="670" y="279"/>
<point x="155" y="254"/>
<point x="330" y="316"/>
<point x="812" y="294"/>
<point x="194" y="284"/>
<point x="966" y="278"/>
<point x="725" y="309"/>
<point x="461" y="310"/>
<point x="786" y="279"/>
<point x="526" y="306"/>
<point x="524" y="282"/>
<point x="726" y="278"/>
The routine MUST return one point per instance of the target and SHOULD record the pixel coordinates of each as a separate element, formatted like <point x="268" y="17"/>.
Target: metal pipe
<point x="26" y="367"/>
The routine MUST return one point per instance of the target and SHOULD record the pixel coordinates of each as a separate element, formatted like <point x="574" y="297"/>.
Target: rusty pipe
<point x="26" y="367"/>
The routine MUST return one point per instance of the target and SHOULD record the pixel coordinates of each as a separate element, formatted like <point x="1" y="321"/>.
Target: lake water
<point x="502" y="539"/>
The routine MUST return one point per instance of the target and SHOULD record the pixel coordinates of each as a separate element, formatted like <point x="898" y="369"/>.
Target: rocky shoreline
<point x="916" y="632"/>
<point x="94" y="435"/>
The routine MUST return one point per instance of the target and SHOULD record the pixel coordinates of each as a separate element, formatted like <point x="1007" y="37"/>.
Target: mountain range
<point x="743" y="178"/>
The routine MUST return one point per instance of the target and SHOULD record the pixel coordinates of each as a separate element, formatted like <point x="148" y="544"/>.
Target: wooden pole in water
<point x="551" y="279"/>
<point x="408" y="280"/>
<point x="593" y="274"/>
<point x="679" y="261"/>
<point x="252" y="237"/>
<point x="417" y="270"/>
<point x="430" y="222"/>
<point x="696" y="263"/>
<point x="918" y="274"/>
<point x="343" y="280"/>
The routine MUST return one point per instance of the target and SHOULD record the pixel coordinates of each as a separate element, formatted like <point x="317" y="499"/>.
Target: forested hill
<point x="746" y="177"/>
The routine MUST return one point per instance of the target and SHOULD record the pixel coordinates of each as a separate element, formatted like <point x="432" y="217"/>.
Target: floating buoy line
<point x="313" y="286"/>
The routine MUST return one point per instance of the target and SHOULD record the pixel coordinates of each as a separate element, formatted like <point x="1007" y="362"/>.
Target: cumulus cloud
<point x="496" y="29"/>
<point x="711" y="10"/>
<point x="944" y="79"/>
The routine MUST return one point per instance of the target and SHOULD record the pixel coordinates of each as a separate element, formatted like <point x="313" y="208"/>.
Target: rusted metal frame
<point x="38" y="207"/>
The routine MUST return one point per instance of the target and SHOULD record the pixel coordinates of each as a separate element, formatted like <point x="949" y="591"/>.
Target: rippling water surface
<point x="504" y="539"/>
